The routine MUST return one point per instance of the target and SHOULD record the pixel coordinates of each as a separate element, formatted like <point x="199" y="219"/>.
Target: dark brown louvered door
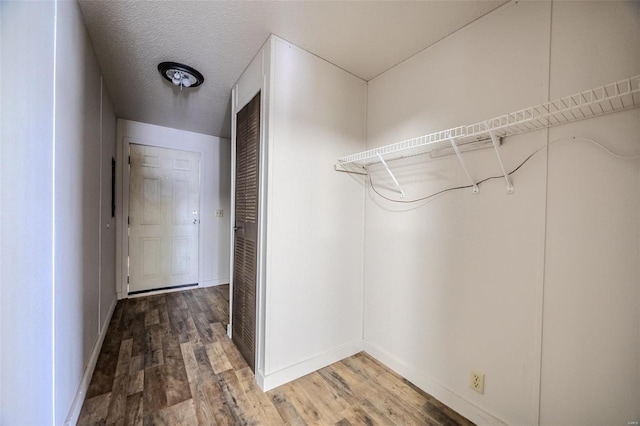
<point x="246" y="229"/>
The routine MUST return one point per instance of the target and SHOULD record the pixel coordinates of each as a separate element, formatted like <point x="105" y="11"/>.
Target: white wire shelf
<point x="617" y="96"/>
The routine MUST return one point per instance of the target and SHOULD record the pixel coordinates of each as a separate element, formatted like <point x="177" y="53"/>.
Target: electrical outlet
<point x="219" y="213"/>
<point x="476" y="381"/>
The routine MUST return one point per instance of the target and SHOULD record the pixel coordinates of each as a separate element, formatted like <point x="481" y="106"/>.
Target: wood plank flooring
<point x="166" y="360"/>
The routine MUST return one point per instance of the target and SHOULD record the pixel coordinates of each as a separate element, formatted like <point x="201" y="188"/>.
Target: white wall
<point x="214" y="194"/>
<point x="591" y="339"/>
<point x="26" y="217"/>
<point x="314" y="230"/>
<point x="107" y="222"/>
<point x="55" y="300"/>
<point x="446" y="270"/>
<point x="77" y="202"/>
<point x="312" y="113"/>
<point x="536" y="289"/>
<point x="82" y="300"/>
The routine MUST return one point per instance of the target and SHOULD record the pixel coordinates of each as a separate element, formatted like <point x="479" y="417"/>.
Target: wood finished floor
<point x="166" y="360"/>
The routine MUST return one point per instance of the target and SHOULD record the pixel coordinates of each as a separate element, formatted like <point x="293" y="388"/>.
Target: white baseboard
<point x="218" y="281"/>
<point x="433" y="388"/>
<point x="275" y="379"/>
<point x="76" y="406"/>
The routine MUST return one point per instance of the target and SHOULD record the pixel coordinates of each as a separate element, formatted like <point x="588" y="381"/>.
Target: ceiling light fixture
<point x="180" y="75"/>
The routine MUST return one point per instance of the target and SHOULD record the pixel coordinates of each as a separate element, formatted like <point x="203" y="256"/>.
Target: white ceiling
<point x="219" y="39"/>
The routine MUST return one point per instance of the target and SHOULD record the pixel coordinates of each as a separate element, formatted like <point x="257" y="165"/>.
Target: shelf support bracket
<point x="384" y="163"/>
<point x="496" y="142"/>
<point x="455" y="148"/>
<point x="341" y="168"/>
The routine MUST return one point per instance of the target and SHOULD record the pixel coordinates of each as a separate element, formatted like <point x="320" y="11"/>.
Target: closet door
<point x="246" y="229"/>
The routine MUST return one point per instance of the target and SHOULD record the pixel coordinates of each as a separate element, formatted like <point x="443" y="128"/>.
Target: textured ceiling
<point x="219" y="39"/>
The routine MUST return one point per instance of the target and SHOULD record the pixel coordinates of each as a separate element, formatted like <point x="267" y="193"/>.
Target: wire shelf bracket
<point x="613" y="97"/>
<point x="464" y="167"/>
<point x="496" y="143"/>
<point x="384" y="163"/>
<point x="344" y="169"/>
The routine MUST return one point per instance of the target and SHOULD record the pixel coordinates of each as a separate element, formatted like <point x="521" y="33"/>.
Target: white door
<point x="164" y="198"/>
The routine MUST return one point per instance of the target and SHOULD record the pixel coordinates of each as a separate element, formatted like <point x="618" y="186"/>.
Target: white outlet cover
<point x="476" y="381"/>
<point x="219" y="213"/>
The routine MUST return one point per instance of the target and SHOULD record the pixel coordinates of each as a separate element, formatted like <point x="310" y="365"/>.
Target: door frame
<point x="122" y="213"/>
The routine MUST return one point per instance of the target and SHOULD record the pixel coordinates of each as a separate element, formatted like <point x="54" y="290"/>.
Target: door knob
<point x="235" y="228"/>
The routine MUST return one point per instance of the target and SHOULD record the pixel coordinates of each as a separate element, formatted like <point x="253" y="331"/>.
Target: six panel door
<point x="164" y="192"/>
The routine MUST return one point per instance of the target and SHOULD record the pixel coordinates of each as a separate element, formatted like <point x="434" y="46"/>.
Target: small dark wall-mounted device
<point x="113" y="187"/>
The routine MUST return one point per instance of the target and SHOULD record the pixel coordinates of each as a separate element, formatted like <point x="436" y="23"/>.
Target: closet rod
<point x="612" y="97"/>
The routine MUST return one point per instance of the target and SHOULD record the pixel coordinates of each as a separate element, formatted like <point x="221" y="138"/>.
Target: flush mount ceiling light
<point x="180" y="75"/>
